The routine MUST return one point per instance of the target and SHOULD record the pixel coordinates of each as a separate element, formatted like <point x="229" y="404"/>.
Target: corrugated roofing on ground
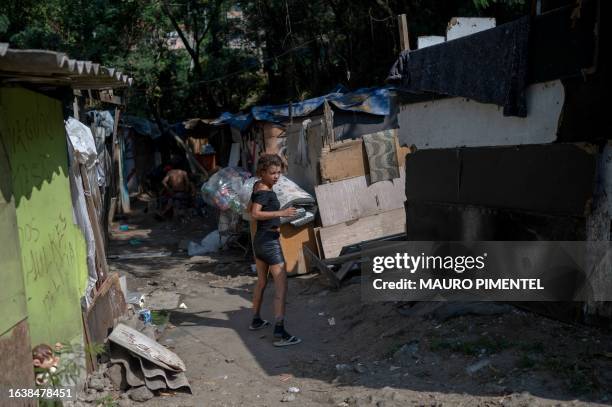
<point x="55" y="68"/>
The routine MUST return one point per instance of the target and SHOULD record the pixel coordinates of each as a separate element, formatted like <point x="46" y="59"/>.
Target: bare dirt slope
<point x="353" y="352"/>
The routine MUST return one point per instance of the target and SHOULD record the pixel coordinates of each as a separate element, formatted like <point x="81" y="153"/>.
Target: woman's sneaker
<point x="258" y="324"/>
<point x="285" y="338"/>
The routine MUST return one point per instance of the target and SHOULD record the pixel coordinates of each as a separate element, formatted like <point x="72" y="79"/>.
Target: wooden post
<point x="124" y="195"/>
<point x="75" y="107"/>
<point x="329" y="124"/>
<point x="403" y="32"/>
<point x="101" y="266"/>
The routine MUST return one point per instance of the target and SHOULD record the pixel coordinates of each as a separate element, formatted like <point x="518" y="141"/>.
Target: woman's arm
<point x="258" y="214"/>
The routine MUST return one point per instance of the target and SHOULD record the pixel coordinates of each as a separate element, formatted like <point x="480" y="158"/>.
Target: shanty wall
<point x="53" y="251"/>
<point x="14" y="337"/>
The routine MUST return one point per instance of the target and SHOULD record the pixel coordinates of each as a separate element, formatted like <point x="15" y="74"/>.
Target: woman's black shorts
<point x="267" y="248"/>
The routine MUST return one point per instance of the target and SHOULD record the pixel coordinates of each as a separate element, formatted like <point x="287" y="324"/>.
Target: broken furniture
<point x="337" y="268"/>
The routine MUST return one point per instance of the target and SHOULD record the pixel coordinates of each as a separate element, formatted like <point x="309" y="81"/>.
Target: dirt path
<point x="370" y="354"/>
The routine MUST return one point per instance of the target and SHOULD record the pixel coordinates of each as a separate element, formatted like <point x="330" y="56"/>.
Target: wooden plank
<point x="101" y="265"/>
<point x="402" y="24"/>
<point x="145" y="347"/>
<point x="333" y="238"/>
<point x="322" y="267"/>
<point x="348" y="159"/>
<point x="355" y="198"/>
<point x="345" y="268"/>
<point x="16" y="365"/>
<point x="123" y="192"/>
<point x="107" y="306"/>
<point x="91" y="362"/>
<point x="318" y="242"/>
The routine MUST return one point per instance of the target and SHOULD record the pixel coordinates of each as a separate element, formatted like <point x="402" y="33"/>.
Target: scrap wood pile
<point x="360" y="196"/>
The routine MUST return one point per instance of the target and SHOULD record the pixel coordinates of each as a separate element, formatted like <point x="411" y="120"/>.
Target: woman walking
<point x="265" y="209"/>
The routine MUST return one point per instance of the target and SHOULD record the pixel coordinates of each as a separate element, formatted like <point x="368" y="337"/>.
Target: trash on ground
<point x="213" y="242"/>
<point x="146" y="363"/>
<point x="133" y="256"/>
<point x="145" y="316"/>
<point x="288" y="398"/>
<point x="144" y="347"/>
<point x="136" y="299"/>
<point x="477" y="366"/>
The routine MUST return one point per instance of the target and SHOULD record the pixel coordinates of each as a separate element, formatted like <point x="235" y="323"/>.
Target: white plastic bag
<point x="213" y="242"/>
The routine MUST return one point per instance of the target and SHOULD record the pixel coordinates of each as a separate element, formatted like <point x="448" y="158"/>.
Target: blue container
<point x="145" y="315"/>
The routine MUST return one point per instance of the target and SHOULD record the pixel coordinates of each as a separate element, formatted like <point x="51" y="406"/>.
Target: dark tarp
<point x="562" y="44"/>
<point x="489" y="66"/>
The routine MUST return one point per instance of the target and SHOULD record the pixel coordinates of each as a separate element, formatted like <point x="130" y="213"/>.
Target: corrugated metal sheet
<point x="55" y="68"/>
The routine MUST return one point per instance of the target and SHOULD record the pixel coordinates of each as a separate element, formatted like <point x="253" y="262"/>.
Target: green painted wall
<point x="12" y="289"/>
<point x="53" y="250"/>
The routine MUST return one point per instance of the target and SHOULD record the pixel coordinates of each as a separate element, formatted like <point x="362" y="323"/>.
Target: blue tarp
<point x="376" y="101"/>
<point x="141" y="125"/>
<point x="239" y="121"/>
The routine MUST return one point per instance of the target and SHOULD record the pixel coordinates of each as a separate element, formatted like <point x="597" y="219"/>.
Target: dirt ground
<point x="353" y="352"/>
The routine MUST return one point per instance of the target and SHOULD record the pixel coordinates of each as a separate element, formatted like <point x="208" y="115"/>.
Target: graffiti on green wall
<point x="52" y="247"/>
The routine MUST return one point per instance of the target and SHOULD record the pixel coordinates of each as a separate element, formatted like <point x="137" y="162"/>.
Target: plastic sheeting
<point x="102" y="126"/>
<point x="375" y="101"/>
<point x="83" y="142"/>
<point x="141" y="126"/>
<point x="222" y="189"/>
<point x="79" y="209"/>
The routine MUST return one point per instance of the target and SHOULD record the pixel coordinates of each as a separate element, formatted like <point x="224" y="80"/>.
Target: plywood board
<point x="460" y="122"/>
<point x="355" y="198"/>
<point x="106" y="308"/>
<point x="292" y="242"/>
<point x="17" y="372"/>
<point x="333" y="238"/>
<point x="348" y="159"/>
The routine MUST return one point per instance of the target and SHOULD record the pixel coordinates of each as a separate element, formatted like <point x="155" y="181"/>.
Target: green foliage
<point x="106" y="401"/>
<point x="237" y="53"/>
<point x="4" y="24"/>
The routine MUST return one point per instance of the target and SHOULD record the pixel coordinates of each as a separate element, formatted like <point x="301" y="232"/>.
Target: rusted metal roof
<point x="56" y="68"/>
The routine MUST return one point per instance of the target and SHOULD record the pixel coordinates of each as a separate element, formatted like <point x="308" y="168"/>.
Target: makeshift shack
<point x="510" y="146"/>
<point x="44" y="253"/>
<point x="321" y="141"/>
<point x="210" y="143"/>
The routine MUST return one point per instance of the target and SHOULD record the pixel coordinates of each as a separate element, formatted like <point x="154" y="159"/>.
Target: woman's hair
<point x="268" y="160"/>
